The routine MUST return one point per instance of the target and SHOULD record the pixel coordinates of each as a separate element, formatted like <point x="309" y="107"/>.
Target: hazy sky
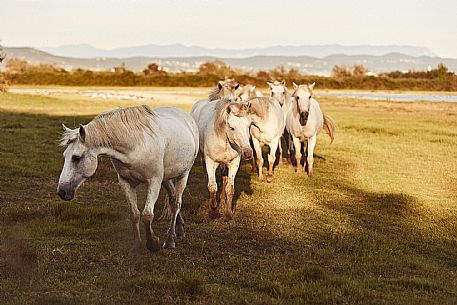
<point x="230" y="24"/>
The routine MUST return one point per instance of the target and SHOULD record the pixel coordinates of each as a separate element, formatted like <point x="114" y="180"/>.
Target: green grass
<point x="377" y="224"/>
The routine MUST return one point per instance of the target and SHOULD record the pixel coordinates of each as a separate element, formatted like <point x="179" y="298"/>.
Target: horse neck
<point x="112" y="153"/>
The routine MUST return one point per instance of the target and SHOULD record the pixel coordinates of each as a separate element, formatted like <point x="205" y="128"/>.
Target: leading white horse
<point x="224" y="139"/>
<point x="304" y="121"/>
<point x="155" y="147"/>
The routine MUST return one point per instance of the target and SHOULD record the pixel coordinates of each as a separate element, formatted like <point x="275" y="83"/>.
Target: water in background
<point x="399" y="97"/>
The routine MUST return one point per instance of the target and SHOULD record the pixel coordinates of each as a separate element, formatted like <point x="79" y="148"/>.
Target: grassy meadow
<point x="376" y="224"/>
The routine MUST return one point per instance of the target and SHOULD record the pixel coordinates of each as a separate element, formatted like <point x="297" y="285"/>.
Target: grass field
<point x="377" y="224"/>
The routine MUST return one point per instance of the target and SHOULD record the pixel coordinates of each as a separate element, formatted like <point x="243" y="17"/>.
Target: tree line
<point x="19" y="71"/>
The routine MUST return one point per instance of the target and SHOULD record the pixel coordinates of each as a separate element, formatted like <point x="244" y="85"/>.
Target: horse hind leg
<point x="224" y="174"/>
<point x="287" y="145"/>
<point x="293" y="160"/>
<point x="173" y="206"/>
<point x="152" y="242"/>
<point x="176" y="226"/>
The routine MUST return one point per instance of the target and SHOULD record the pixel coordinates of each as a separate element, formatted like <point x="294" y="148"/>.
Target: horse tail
<point x="329" y="126"/>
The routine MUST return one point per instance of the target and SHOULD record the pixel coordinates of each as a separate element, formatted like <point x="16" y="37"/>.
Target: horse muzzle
<point x="65" y="192"/>
<point x="246" y="153"/>
<point x="304" y="118"/>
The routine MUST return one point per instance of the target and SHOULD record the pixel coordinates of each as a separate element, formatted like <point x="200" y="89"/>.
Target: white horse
<point x="266" y="129"/>
<point x="229" y="89"/>
<point x="224" y="138"/>
<point x="304" y="122"/>
<point x="156" y="147"/>
<point x="278" y="91"/>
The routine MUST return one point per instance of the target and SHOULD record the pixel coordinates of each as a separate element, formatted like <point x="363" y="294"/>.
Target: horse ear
<point x="219" y="85"/>
<point x="270" y="84"/>
<point x="82" y="133"/>
<point x="237" y="86"/>
<point x="311" y="86"/>
<point x="252" y="89"/>
<point x="295" y="85"/>
<point x="65" y="128"/>
<point x="283" y="82"/>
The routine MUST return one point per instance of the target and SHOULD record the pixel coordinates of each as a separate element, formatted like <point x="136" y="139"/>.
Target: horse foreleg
<point x="272" y="158"/>
<point x="297" y="149"/>
<point x="310" y="157"/>
<point x="130" y="195"/>
<point x="175" y="191"/>
<point x="230" y="188"/>
<point x="258" y="152"/>
<point x="211" y="167"/>
<point x="152" y="242"/>
<point x="280" y="151"/>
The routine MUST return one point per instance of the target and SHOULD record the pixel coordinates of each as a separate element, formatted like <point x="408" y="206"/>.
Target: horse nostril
<point x="247" y="154"/>
<point x="62" y="193"/>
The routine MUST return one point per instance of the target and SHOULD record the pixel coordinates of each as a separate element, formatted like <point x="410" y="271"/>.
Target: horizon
<point x="239" y="25"/>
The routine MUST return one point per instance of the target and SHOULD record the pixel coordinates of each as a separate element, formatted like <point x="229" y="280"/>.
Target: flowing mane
<point x="260" y="105"/>
<point x="120" y="127"/>
<point x="215" y="93"/>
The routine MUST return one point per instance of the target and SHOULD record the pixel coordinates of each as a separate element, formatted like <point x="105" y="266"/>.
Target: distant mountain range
<point x="305" y="64"/>
<point x="179" y="50"/>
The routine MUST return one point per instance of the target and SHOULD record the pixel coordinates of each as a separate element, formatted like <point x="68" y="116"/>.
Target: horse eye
<point x="272" y="94"/>
<point x="297" y="98"/>
<point x="75" y="158"/>
<point x="231" y="128"/>
<point x="283" y="93"/>
<point x="310" y="97"/>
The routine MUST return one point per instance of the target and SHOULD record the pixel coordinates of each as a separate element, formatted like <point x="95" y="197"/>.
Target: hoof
<point x="169" y="245"/>
<point x="299" y="170"/>
<point x="310" y="173"/>
<point x="153" y="244"/>
<point x="269" y="178"/>
<point x="285" y="161"/>
<point x="229" y="216"/>
<point x="214" y="213"/>
<point x="180" y="230"/>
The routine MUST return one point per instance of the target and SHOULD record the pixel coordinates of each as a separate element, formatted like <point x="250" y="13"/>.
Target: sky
<point x="230" y="24"/>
